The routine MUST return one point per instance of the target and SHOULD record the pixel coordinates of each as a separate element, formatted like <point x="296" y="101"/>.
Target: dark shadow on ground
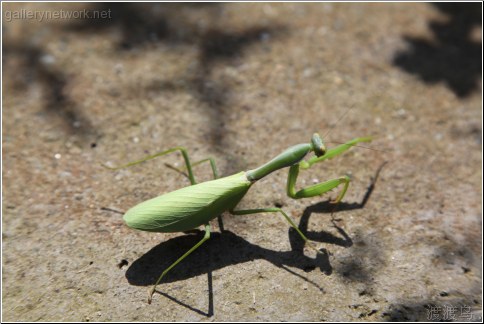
<point x="144" y="24"/>
<point x="173" y="25"/>
<point x="356" y="268"/>
<point x="446" y="309"/>
<point x="326" y="207"/>
<point x="226" y="248"/>
<point x="220" y="251"/>
<point x="36" y="66"/>
<point x="452" y="57"/>
<point x="218" y="49"/>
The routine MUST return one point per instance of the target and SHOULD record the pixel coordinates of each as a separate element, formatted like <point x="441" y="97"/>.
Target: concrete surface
<point x="242" y="82"/>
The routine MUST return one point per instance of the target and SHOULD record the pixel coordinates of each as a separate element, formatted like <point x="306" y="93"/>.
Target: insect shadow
<point x="222" y="250"/>
<point x="226" y="248"/>
<point x="326" y="207"/>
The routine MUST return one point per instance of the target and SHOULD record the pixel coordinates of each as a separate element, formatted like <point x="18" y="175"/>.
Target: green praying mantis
<point x="190" y="207"/>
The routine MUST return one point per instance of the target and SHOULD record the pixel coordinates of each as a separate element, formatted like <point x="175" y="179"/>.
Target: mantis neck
<point x="287" y="158"/>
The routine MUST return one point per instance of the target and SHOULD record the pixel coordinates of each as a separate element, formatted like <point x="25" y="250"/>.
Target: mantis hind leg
<point x="205" y="237"/>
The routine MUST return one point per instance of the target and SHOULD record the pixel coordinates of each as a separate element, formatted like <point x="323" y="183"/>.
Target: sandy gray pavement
<point x="240" y="83"/>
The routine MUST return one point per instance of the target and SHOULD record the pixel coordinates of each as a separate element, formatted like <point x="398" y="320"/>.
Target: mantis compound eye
<point x="318" y="146"/>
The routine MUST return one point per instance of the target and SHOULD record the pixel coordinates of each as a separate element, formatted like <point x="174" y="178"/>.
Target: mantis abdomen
<point x="189" y="207"/>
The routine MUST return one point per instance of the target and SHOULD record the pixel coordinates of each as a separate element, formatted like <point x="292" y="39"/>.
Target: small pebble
<point x="47" y="59"/>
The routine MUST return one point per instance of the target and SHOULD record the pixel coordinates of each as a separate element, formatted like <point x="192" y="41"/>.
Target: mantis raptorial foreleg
<point x="317" y="189"/>
<point x="334" y="152"/>
<point x="323" y="187"/>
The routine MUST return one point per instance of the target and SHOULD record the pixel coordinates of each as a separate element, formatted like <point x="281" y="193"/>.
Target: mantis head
<point x="318" y="146"/>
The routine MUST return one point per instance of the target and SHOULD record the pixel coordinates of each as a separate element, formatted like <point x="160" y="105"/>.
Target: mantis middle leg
<point x="275" y="210"/>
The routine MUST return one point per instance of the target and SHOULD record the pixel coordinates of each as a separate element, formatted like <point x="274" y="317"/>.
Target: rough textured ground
<point x="242" y="82"/>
